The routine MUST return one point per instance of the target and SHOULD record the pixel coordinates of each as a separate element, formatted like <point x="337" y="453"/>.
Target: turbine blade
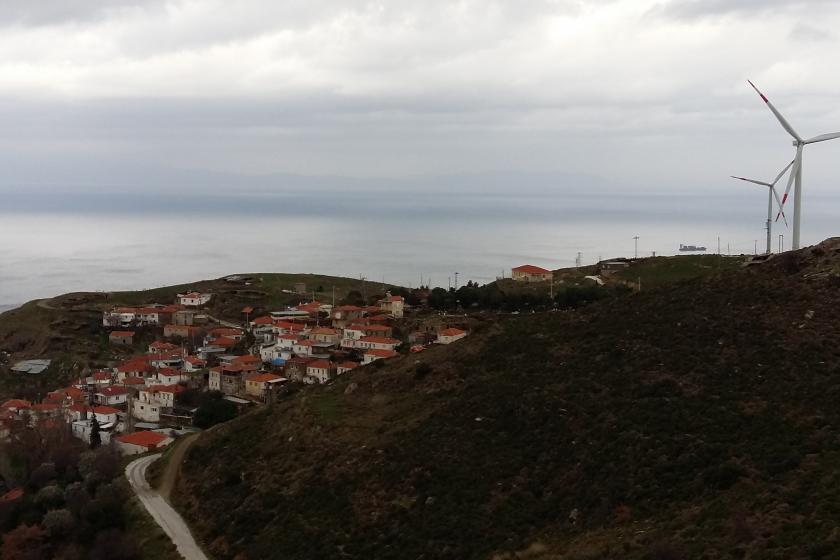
<point x="779" y="176"/>
<point x="751" y="181"/>
<point x="779" y="202"/>
<point x="823" y="137"/>
<point x="793" y="170"/>
<point x="781" y="119"/>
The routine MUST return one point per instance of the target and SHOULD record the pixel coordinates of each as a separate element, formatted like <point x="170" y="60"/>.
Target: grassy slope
<point x="694" y="420"/>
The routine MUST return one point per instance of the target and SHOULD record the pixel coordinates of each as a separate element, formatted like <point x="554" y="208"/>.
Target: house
<point x="377" y="342"/>
<point x="288" y="327"/>
<point x="227" y="332"/>
<point x="261" y="321"/>
<point x="229" y="378"/>
<point x="303" y="347"/>
<point x="105" y="415"/>
<point x="376" y="354"/>
<point x="296" y="368"/>
<point x="194" y="299"/>
<point x="170" y="376"/>
<point x="324" y="335"/>
<point x="344" y="367"/>
<point x="161" y="347"/>
<point x="151" y="400"/>
<point x="15" y="405"/>
<point x="193" y="364"/>
<point x="142" y="442"/>
<point x="135" y="367"/>
<point x="450" y="335"/>
<point x="257" y="385"/>
<point x="83" y="428"/>
<point x="42" y="411"/>
<point x="393" y="305"/>
<point x="319" y="371"/>
<point x="530" y="273"/>
<point x="121" y="338"/>
<point x="111" y="396"/>
<point x="181" y="331"/>
<point x="357" y="331"/>
<point x="605" y="268"/>
<point x="346" y="313"/>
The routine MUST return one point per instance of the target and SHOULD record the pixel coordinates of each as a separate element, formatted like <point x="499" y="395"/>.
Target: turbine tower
<point x="796" y="172"/>
<point x="771" y="188"/>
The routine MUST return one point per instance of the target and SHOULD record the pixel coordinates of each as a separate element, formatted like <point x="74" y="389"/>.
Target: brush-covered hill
<point x="700" y="419"/>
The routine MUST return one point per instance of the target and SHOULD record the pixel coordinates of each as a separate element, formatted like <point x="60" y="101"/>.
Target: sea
<point x="58" y="242"/>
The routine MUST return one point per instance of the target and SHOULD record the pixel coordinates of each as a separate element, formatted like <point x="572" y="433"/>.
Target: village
<point x="148" y="399"/>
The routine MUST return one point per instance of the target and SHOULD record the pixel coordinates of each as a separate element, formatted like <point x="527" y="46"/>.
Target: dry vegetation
<point x="693" y="420"/>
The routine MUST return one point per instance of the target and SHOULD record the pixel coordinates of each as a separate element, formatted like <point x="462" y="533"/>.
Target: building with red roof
<point x="376" y="354"/>
<point x="142" y="442"/>
<point x="450" y="335"/>
<point x="121" y="338"/>
<point x="257" y="385"/>
<point x="530" y="273"/>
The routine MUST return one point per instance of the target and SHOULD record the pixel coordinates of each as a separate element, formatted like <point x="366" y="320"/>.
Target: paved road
<point x="169" y="519"/>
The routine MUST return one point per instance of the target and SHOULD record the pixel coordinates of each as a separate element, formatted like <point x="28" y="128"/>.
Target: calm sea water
<point x="52" y="244"/>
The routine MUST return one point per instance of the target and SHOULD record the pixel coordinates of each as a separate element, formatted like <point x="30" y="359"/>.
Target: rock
<point x="351" y="388"/>
<point x="809" y="314"/>
<point x="430" y="501"/>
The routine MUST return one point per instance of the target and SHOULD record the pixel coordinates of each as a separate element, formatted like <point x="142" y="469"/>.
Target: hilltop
<point x="694" y="419"/>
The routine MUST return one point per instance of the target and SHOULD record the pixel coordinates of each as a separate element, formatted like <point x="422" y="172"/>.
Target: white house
<point x="104" y="414"/>
<point x="149" y="401"/>
<point x="394" y="305"/>
<point x="319" y="371"/>
<point x="324" y="335"/>
<point x="82" y="429"/>
<point x="377" y="343"/>
<point x="450" y="335"/>
<point x="344" y="367"/>
<point x="376" y="354"/>
<point x="194" y="299"/>
<point x="303" y="347"/>
<point x="111" y="396"/>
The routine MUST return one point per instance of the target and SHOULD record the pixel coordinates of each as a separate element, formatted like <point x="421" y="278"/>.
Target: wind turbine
<point x="771" y="193"/>
<point x="796" y="172"/>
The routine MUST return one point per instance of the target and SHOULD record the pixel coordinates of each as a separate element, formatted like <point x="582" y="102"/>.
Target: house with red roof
<point x="530" y="273"/>
<point x="257" y="385"/>
<point x="15" y="405"/>
<point x="376" y="354"/>
<point x="142" y="442"/>
<point x="194" y="299"/>
<point x="121" y="338"/>
<point x="194" y="363"/>
<point x="393" y="305"/>
<point x="114" y="396"/>
<point x="153" y="399"/>
<point x="319" y="371"/>
<point x="450" y="335"/>
<point x="324" y="335"/>
<point x="377" y="343"/>
<point x="344" y="367"/>
<point x="104" y="414"/>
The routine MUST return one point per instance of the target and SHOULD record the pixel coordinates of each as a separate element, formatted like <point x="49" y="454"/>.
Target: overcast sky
<point x="644" y="93"/>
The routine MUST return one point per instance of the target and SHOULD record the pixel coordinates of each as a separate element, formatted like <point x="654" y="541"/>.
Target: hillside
<point x="68" y="328"/>
<point x="698" y="419"/>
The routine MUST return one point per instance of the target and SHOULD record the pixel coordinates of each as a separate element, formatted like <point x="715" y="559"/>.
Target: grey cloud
<point x="50" y="12"/>
<point x="810" y="34"/>
<point x="690" y="9"/>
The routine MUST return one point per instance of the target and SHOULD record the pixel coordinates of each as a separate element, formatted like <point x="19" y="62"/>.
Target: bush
<point x="214" y="409"/>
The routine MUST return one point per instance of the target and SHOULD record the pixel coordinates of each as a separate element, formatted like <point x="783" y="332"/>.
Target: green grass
<point x="327" y="406"/>
<point x="656" y="271"/>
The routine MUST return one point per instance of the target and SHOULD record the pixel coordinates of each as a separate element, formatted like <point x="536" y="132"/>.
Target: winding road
<point x="169" y="519"/>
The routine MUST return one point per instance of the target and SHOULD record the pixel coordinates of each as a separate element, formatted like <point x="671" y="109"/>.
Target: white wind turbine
<point x="796" y="172"/>
<point x="771" y="193"/>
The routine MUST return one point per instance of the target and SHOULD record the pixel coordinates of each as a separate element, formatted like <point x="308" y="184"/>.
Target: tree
<point x="95" y="438"/>
<point x="214" y="409"/>
<point x="26" y="542"/>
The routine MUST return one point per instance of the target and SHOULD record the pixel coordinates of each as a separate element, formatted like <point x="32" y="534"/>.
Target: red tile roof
<point x="382" y="353"/>
<point x="368" y="328"/>
<point x="347" y="308"/>
<point x="113" y="391"/>
<point x="122" y="334"/>
<point x="320" y="364"/>
<point x="248" y="310"/>
<point x="102" y="376"/>
<point x="348" y="365"/>
<point x="246" y="359"/>
<point x="224" y="342"/>
<point x="262" y="377"/>
<point x="166" y="389"/>
<point x="143" y="439"/>
<point x="15" y="403"/>
<point x="379" y="340"/>
<point x="133" y="381"/>
<point x="226" y="331"/>
<point x="452" y="331"/>
<point x="263" y="321"/>
<point x="12" y="495"/>
<point x="531" y="269"/>
<point x="323" y="330"/>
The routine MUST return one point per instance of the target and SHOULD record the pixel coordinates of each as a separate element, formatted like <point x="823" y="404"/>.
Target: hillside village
<point x="149" y="398"/>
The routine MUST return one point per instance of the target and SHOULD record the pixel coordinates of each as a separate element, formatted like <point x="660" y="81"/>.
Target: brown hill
<point x="694" y="420"/>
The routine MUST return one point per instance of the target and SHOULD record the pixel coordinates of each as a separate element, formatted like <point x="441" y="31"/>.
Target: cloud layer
<point x="645" y="93"/>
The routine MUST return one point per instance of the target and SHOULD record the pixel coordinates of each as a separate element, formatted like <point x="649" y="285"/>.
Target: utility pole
<point x="718" y="245"/>
<point x="728" y="252"/>
<point x="755" y="247"/>
<point x="636" y="247"/>
<point x="781" y="242"/>
<point x="456" y="281"/>
<point x="577" y="260"/>
<point x="449" y="282"/>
